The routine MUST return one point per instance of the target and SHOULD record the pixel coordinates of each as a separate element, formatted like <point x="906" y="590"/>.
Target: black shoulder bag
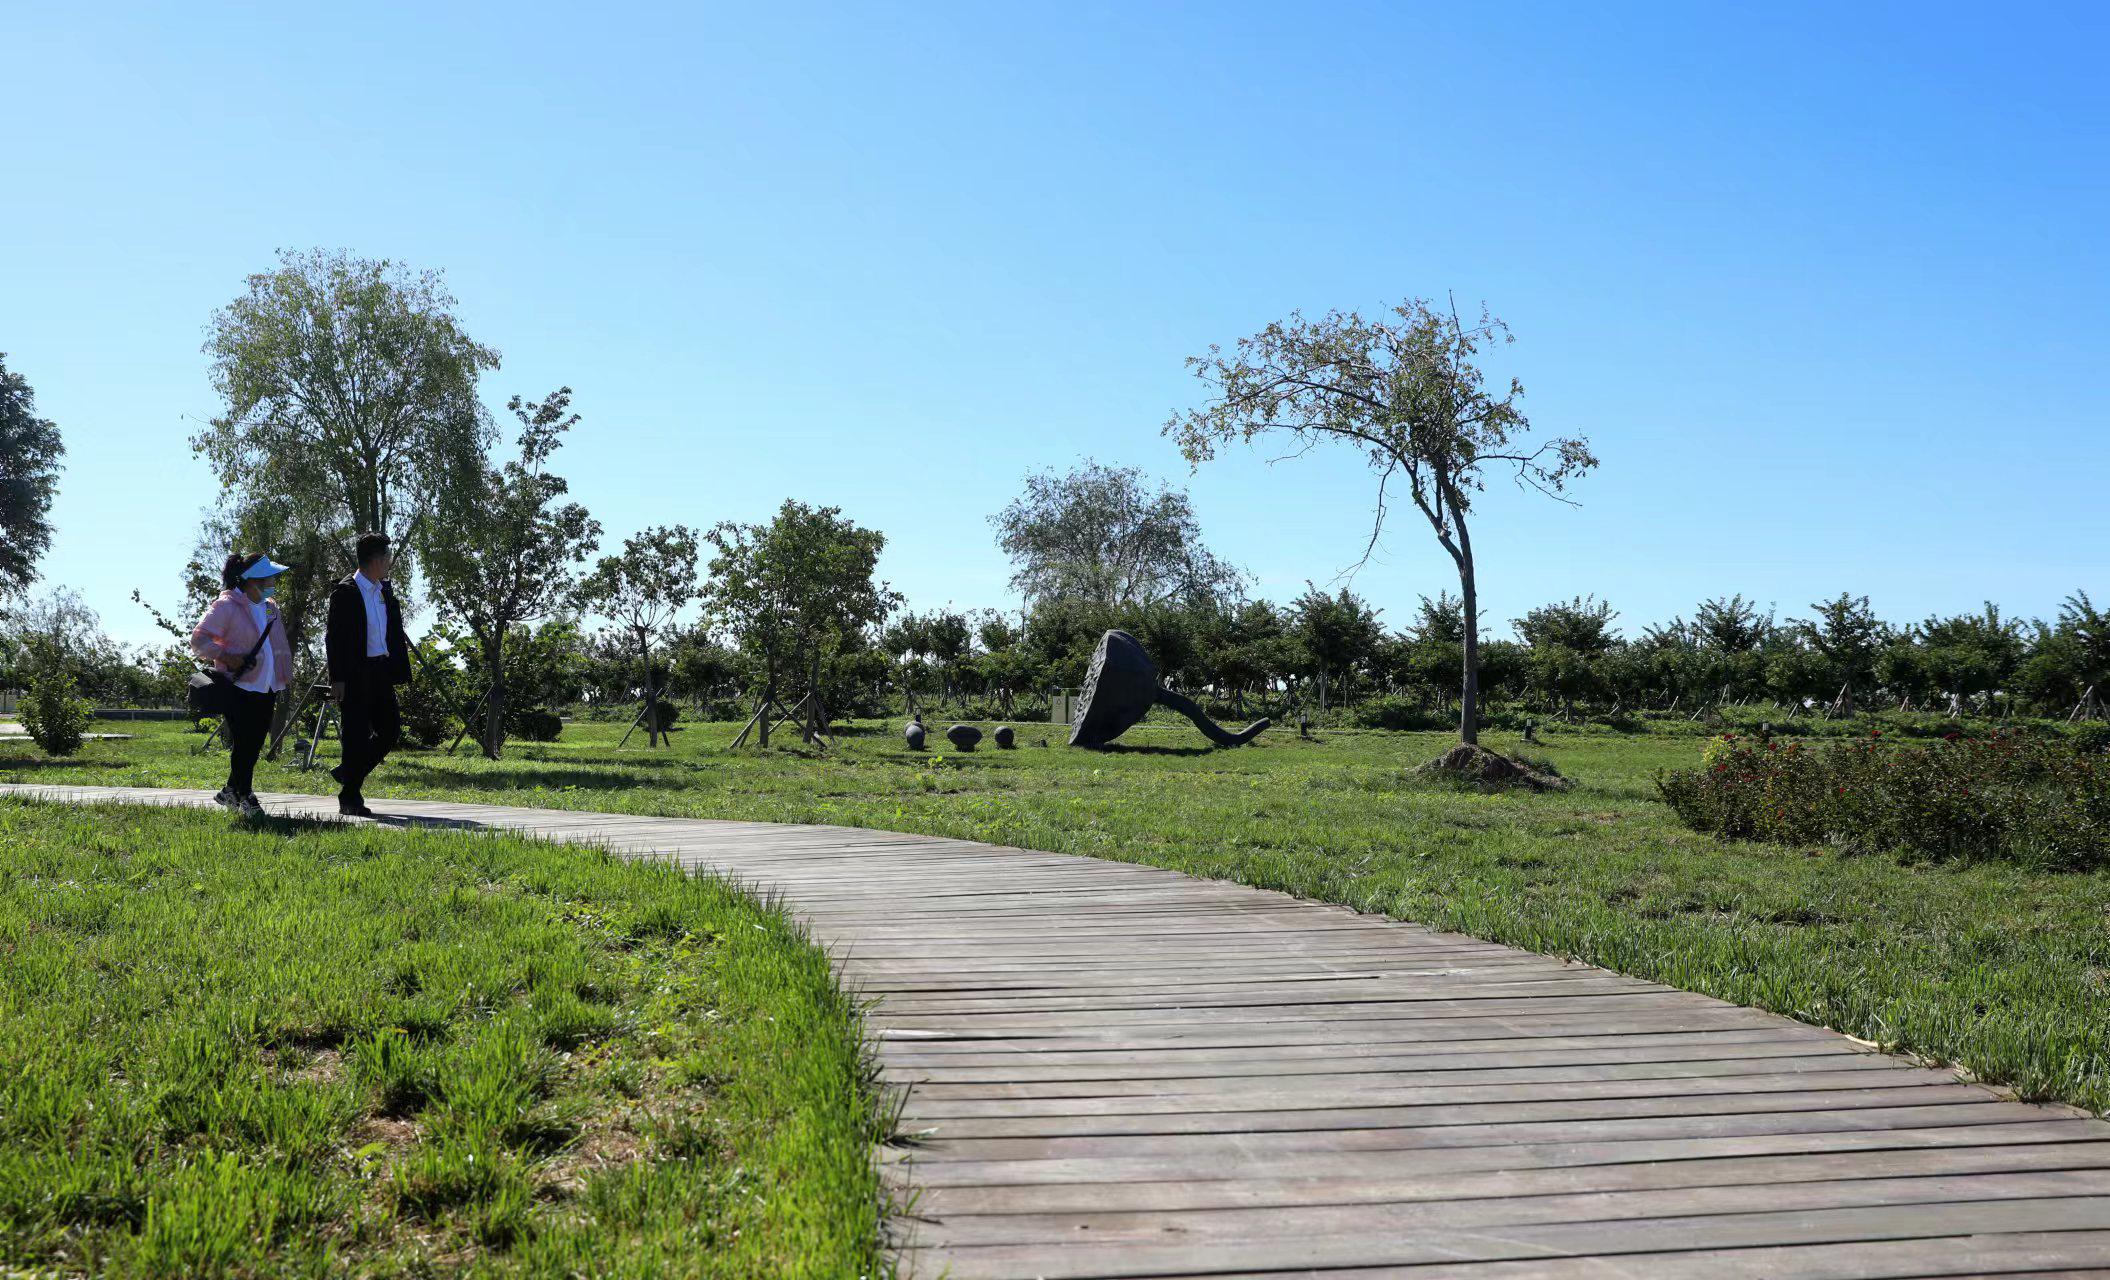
<point x="212" y="690"/>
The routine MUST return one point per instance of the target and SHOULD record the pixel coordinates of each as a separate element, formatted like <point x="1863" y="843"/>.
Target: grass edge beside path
<point x="280" y="1047"/>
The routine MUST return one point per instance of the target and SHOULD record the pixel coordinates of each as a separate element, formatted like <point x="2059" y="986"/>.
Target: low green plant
<point x="535" y="724"/>
<point x="53" y="713"/>
<point x="2025" y="798"/>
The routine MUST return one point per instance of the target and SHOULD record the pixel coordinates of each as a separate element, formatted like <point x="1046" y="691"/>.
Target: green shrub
<point x="2020" y="798"/>
<point x="53" y="713"/>
<point x="427" y="719"/>
<point x="2092" y="739"/>
<point x="534" y="724"/>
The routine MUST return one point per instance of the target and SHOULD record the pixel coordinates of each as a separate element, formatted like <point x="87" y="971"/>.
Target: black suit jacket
<point x="344" y="637"/>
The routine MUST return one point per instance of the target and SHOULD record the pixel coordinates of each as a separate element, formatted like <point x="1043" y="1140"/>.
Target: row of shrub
<point x="2038" y="799"/>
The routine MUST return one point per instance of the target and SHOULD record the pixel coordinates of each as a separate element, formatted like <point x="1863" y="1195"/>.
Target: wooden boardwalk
<point x="1121" y="1071"/>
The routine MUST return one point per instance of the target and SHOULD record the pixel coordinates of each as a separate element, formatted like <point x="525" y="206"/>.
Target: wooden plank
<point x="947" y="1167"/>
<point x="1405" y="1181"/>
<point x="2042" y="1255"/>
<point x="1611" y="1240"/>
<point x="1923" y="1198"/>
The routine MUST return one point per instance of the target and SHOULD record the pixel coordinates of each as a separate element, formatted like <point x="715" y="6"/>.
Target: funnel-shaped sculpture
<point x="1121" y="688"/>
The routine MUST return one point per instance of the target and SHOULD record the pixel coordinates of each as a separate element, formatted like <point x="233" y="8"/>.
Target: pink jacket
<point x="227" y="632"/>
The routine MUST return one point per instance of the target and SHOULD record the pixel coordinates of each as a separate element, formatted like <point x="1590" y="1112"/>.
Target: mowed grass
<point x="284" y="1049"/>
<point x="2003" y="970"/>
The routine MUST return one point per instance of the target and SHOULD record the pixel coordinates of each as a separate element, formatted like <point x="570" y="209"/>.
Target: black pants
<point x="247" y="724"/>
<point x="373" y="724"/>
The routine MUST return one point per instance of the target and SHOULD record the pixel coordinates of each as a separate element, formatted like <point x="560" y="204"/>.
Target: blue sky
<point x="1824" y="285"/>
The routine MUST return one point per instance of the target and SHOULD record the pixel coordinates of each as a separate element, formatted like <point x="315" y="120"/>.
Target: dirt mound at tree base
<point x="1491" y="770"/>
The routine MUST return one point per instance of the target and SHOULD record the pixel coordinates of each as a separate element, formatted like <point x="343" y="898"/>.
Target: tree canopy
<point x="30" y="450"/>
<point x="348" y="389"/>
<point x="1104" y="536"/>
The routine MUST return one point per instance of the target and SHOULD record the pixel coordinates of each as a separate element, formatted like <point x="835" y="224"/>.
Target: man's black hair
<point x="370" y="546"/>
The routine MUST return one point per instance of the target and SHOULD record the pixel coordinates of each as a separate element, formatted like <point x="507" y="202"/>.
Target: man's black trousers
<point x="373" y="724"/>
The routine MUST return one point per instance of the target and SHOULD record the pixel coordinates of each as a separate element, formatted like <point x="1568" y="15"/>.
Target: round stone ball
<point x="963" y="736"/>
<point x="913" y="735"/>
<point x="1004" y="737"/>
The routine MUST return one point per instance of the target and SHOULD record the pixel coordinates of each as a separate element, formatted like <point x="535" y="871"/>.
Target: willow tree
<point x="1406" y="391"/>
<point x="29" y="476"/>
<point x="348" y="391"/>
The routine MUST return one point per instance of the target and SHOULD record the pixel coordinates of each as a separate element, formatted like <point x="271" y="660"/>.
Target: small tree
<point x="799" y="588"/>
<point x="29" y="475"/>
<point x="1406" y="392"/>
<point x="53" y="713"/>
<point x="1338" y="633"/>
<point x="507" y="551"/>
<point x="1849" y="635"/>
<point x="643" y="591"/>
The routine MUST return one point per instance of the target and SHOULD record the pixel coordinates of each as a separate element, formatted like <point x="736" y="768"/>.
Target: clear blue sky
<point x="1825" y="285"/>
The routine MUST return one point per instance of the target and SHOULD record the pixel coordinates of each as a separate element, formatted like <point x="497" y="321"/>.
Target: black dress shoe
<point x="353" y="807"/>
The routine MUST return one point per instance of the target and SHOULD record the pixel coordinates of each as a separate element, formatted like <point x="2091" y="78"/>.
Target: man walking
<point x="368" y="657"/>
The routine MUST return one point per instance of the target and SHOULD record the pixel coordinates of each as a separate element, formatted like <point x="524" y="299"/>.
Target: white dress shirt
<point x="261" y="675"/>
<point x="376" y="616"/>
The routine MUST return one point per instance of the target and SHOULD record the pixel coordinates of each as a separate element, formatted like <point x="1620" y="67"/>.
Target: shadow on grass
<point x="1123" y="749"/>
<point x="32" y="763"/>
<point x="523" y="779"/>
<point x="287" y="824"/>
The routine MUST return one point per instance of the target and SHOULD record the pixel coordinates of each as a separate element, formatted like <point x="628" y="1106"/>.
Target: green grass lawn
<point x="281" y="1048"/>
<point x="2001" y="969"/>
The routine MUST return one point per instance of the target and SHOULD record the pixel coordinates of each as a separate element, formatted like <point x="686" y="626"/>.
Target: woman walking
<point x="241" y="636"/>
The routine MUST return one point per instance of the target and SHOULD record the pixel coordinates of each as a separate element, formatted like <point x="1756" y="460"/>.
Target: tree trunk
<point x="494" y="734"/>
<point x="644" y="648"/>
<point x="1469" y="598"/>
<point x="769" y="696"/>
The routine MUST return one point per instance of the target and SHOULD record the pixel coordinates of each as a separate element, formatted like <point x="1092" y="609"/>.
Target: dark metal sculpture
<point x="914" y="734"/>
<point x="963" y="736"/>
<point x="1005" y="739"/>
<point x="1121" y="688"/>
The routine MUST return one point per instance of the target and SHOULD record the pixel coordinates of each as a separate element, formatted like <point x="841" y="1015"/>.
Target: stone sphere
<point x="913" y="735"/>
<point x="963" y="736"/>
<point x="1004" y="737"/>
